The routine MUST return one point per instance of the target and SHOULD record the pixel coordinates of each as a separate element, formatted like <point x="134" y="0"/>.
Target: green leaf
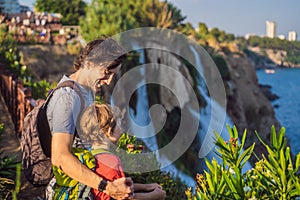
<point x="271" y="152"/>
<point x="245" y="155"/>
<point x="297" y="164"/>
<point x="221" y="144"/>
<point x="273" y="164"/>
<point x="230" y="185"/>
<point x="243" y="139"/>
<point x="274" y="137"/>
<point x="282" y="160"/>
<point x="235" y="132"/>
<point x="266" y="181"/>
<point x="209" y="165"/>
<point x="215" y="175"/>
<point x="238" y="181"/>
<point x="231" y="135"/>
<point x="290" y="185"/>
<point x="288" y="158"/>
<point x="259" y="138"/>
<point x="221" y="186"/>
<point x="210" y="183"/>
<point x="281" y="137"/>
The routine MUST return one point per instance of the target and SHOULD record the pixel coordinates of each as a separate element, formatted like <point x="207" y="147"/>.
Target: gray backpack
<point x="36" y="141"/>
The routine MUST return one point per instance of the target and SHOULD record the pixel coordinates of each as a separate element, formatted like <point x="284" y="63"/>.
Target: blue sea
<point x="286" y="84"/>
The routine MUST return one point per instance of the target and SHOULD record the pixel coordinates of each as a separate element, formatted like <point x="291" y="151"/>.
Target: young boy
<point x="109" y="165"/>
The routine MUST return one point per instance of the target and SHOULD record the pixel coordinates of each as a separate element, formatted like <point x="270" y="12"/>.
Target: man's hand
<point x="120" y="188"/>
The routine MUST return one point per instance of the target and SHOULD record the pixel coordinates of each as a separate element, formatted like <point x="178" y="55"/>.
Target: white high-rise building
<point x="292" y="36"/>
<point x="9" y="6"/>
<point x="270" y="29"/>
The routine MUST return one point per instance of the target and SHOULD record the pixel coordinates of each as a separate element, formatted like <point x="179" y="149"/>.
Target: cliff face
<point x="268" y="58"/>
<point x="247" y="105"/>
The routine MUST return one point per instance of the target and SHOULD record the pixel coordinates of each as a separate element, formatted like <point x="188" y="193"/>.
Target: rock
<point x="248" y="106"/>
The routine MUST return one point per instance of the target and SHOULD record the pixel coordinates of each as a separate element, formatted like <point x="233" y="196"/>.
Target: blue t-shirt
<point x="64" y="108"/>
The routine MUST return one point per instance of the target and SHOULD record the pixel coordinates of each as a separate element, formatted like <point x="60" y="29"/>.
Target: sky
<point x="243" y="16"/>
<point x="239" y="17"/>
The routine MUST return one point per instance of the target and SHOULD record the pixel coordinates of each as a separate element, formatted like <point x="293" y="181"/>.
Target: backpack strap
<point x="45" y="135"/>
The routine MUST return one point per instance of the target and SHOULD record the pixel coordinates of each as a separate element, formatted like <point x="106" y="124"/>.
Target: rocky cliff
<point x="248" y="106"/>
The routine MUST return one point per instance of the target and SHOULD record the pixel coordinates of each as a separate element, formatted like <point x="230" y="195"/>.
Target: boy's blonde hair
<point x="97" y="124"/>
<point x="106" y="116"/>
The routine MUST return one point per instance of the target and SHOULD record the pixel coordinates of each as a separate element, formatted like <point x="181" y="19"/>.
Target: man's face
<point x="101" y="77"/>
<point x="108" y="76"/>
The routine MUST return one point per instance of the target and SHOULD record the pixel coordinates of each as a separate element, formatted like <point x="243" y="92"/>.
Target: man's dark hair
<point x="106" y="52"/>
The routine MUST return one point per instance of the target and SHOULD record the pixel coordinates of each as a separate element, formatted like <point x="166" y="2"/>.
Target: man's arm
<point x="63" y="158"/>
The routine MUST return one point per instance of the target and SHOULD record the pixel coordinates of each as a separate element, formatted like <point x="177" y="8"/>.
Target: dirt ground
<point x="10" y="145"/>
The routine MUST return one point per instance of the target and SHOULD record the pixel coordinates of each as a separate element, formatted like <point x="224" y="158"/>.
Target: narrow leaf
<point x="243" y="138"/>
<point x="274" y="137"/>
<point x="259" y="138"/>
<point x="281" y="137"/>
<point x="244" y="154"/>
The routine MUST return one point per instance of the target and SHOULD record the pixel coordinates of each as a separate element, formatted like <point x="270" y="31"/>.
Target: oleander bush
<point x="10" y="174"/>
<point x="275" y="176"/>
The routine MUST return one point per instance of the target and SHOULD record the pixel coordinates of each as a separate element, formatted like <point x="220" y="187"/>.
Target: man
<point x="95" y="67"/>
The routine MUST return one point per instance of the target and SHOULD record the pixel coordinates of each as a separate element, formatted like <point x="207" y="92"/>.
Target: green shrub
<point x="10" y="169"/>
<point x="273" y="177"/>
<point x="40" y="89"/>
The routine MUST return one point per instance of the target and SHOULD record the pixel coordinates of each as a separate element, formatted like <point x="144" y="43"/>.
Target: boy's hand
<point x="152" y="186"/>
<point x="158" y="194"/>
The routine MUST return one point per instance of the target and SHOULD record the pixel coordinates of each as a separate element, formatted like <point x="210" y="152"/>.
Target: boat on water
<point x="269" y="71"/>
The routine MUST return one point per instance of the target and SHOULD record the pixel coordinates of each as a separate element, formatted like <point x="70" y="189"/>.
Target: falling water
<point x="208" y="121"/>
<point x="209" y="118"/>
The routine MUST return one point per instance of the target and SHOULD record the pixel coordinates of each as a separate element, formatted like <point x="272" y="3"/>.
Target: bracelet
<point x="102" y="185"/>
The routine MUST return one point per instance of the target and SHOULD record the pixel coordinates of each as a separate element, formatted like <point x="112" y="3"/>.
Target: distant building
<point x="9" y="6"/>
<point x="292" y="36"/>
<point x="248" y="35"/>
<point x="282" y="37"/>
<point x="270" y="29"/>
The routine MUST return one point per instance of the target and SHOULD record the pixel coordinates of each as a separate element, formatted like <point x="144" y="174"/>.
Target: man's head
<point x="99" y="61"/>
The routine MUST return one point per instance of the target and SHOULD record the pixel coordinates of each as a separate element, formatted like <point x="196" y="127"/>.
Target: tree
<point x="202" y="29"/>
<point x="71" y="10"/>
<point x="229" y="37"/>
<point x="215" y="32"/>
<point x="161" y="14"/>
<point x="187" y="29"/>
<point x="105" y="17"/>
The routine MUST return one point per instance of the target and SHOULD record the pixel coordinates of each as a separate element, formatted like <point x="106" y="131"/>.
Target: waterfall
<point x="209" y="122"/>
<point x="211" y="118"/>
<point x="141" y="119"/>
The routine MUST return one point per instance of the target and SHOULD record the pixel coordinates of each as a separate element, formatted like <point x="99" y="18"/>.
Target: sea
<point x="286" y="84"/>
